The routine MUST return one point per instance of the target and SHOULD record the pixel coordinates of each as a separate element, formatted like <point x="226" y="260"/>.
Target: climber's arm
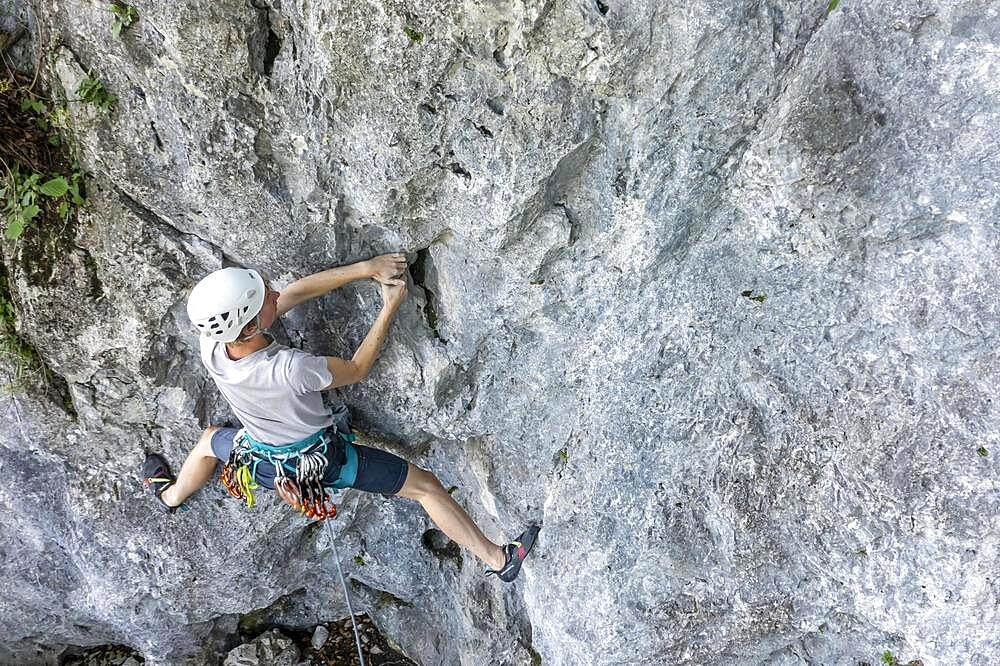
<point x="350" y="372"/>
<point x="381" y="268"/>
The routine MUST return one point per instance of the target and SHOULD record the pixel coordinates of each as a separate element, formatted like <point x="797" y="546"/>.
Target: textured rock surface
<point x="270" y="648"/>
<point x="709" y="288"/>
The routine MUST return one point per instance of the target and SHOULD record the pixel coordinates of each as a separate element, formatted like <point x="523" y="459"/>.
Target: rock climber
<point x="290" y="442"/>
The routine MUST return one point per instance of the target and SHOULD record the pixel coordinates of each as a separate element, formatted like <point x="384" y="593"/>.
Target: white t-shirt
<point x="275" y="391"/>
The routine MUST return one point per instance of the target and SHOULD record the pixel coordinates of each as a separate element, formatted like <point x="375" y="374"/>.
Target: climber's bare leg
<point x="198" y="468"/>
<point x="450" y="518"/>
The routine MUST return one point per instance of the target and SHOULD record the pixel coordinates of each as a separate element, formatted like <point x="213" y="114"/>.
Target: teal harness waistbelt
<point x="294" y="447"/>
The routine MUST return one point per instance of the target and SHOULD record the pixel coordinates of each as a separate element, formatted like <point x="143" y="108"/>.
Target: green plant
<point x="415" y="37"/>
<point x="33" y="103"/>
<point x="22" y="196"/>
<point x="833" y="5"/>
<point x="452" y="489"/>
<point x="45" y="120"/>
<point x="983" y="451"/>
<point x="26" y="362"/>
<point x="759" y="298"/>
<point x="125" y="16"/>
<point x="92" y="91"/>
<point x="360" y="561"/>
<point x="889" y="659"/>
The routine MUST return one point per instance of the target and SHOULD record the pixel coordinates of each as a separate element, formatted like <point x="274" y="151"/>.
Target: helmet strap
<point x="259" y="331"/>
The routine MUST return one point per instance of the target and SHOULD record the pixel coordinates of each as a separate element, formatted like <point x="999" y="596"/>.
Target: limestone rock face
<point x="706" y="288"/>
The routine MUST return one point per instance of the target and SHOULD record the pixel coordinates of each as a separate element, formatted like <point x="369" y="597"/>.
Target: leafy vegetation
<point x="125" y="16"/>
<point x="360" y="561"/>
<point x="889" y="659"/>
<point x="22" y="195"/>
<point x="40" y="192"/>
<point x="25" y="361"/>
<point x="983" y="451"/>
<point x="415" y="37"/>
<point x="759" y="298"/>
<point x="832" y="5"/>
<point x="92" y="91"/>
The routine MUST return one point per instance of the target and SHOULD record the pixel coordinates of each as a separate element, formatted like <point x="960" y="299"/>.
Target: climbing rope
<point x="347" y="596"/>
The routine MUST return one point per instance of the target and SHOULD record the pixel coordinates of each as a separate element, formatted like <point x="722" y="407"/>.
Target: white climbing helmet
<point x="225" y="301"/>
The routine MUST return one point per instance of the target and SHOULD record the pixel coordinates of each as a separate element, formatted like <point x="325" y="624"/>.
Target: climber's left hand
<point x="387" y="267"/>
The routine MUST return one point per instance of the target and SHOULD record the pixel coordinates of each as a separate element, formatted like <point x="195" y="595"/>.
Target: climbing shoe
<point x="157" y="477"/>
<point x="515" y="552"/>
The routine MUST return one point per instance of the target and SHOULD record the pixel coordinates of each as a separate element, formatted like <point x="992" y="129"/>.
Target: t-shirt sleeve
<point x="206" y="347"/>
<point x="307" y="373"/>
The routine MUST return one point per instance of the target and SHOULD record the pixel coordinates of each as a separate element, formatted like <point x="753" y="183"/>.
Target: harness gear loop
<point x="306" y="459"/>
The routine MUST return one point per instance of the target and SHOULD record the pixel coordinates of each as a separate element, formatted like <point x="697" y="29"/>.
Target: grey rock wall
<point x="707" y="288"/>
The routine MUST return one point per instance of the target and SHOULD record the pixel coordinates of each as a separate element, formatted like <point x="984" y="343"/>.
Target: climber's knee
<point x="420" y="484"/>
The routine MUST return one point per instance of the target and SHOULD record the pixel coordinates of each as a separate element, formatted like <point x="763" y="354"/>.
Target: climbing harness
<point x="307" y="460"/>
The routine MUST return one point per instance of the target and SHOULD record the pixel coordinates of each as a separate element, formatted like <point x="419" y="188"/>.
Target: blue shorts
<point x="367" y="469"/>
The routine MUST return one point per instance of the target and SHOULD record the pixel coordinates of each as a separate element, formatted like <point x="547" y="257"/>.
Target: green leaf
<point x="451" y="490"/>
<point x="63" y="209"/>
<point x="983" y="451"/>
<point x="53" y="140"/>
<point x="37" y="106"/>
<point x="25" y="103"/>
<point x="116" y="27"/>
<point x="29" y="212"/>
<point x="833" y="5"/>
<point x="74" y="191"/>
<point x="15" y="226"/>
<point x="55" y="187"/>
<point x="360" y="561"/>
<point x="888" y="658"/>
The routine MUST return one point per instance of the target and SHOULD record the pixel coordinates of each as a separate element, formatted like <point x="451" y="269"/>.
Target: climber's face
<point x="269" y="311"/>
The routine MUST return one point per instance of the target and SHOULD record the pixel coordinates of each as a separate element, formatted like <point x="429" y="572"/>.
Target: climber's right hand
<point x="393" y="293"/>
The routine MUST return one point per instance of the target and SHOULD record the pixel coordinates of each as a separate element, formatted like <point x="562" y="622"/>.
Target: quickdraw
<point x="307" y="459"/>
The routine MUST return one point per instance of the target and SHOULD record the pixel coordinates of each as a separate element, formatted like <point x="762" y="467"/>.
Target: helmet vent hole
<point x="225" y="316"/>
